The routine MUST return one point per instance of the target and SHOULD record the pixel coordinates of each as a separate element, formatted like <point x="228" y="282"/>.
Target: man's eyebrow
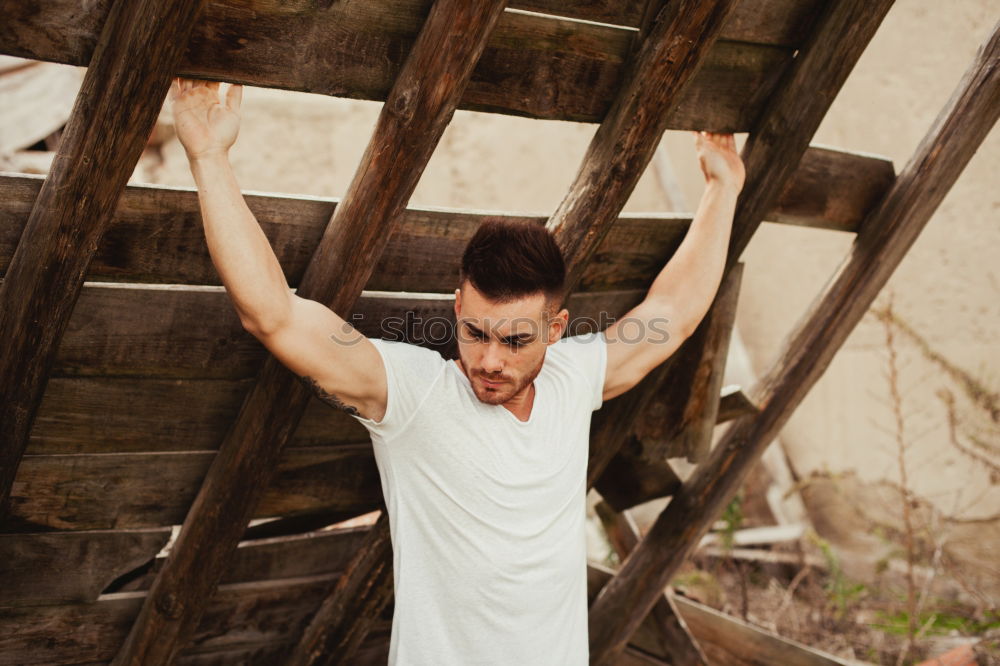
<point x="520" y="337"/>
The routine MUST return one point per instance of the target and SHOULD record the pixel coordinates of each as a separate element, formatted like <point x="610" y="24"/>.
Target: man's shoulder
<point x="407" y="351"/>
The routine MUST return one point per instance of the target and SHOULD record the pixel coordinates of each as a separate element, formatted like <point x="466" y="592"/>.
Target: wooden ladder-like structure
<point x="133" y="401"/>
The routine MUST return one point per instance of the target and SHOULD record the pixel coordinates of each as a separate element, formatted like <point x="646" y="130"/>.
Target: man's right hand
<point x="205" y="124"/>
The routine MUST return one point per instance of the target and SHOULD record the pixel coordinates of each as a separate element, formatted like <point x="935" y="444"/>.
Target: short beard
<point x="499" y="398"/>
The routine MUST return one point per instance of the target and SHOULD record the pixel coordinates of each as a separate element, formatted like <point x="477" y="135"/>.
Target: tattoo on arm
<point x="326" y="397"/>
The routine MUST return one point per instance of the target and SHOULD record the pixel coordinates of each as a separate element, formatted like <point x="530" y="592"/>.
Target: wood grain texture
<point x="295" y="556"/>
<point x="137" y="53"/>
<point x="422" y="101"/>
<point x="885" y="237"/>
<point x="71" y="567"/>
<point x="629" y="480"/>
<point x="352" y="609"/>
<point x="782" y="22"/>
<point x="192" y="333"/>
<point x="120" y="490"/>
<point x="678" y="421"/>
<point x="668" y="58"/>
<point x="533" y="65"/>
<point x="673" y="636"/>
<point x="242" y="616"/>
<point x="796" y="107"/>
<point x="156" y="234"/>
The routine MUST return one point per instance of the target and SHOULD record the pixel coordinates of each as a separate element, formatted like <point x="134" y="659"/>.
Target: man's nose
<point x="493" y="357"/>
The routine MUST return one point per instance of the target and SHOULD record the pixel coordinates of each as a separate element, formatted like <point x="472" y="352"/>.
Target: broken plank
<point x="71" y="567"/>
<point x="728" y="640"/>
<point x="139" y="48"/>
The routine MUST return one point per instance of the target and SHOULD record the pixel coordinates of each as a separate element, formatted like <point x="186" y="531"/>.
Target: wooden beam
<point x="885" y="237"/>
<point x="532" y="66"/>
<point x="677" y="44"/>
<point x="419" y="107"/>
<point x="679" y="419"/>
<point x="674" y="638"/>
<point x="629" y="480"/>
<point x="796" y="107"/>
<point x="155" y="234"/>
<point x="135" y="57"/>
<point x="349" y="612"/>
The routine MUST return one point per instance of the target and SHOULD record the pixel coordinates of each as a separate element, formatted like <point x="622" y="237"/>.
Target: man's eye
<point x="515" y="344"/>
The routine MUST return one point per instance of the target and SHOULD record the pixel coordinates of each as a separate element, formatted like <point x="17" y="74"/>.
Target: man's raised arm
<point x="340" y="364"/>
<point x="683" y="291"/>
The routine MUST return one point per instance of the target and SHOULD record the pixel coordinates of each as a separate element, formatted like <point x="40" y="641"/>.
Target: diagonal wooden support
<point x="779" y="141"/>
<point x="677" y="43"/>
<point x="679" y="420"/>
<point x="412" y="120"/>
<point x="129" y="74"/>
<point x="885" y="237"/>
<point x="621" y="149"/>
<point x="674" y="638"/>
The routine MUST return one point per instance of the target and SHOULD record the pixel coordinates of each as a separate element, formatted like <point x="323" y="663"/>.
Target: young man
<point x="483" y="459"/>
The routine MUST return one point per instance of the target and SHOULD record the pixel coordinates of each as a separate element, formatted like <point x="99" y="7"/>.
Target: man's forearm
<point x="240" y="251"/>
<point x="690" y="279"/>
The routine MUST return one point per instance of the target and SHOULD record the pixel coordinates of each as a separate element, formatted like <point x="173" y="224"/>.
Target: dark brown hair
<point x="509" y="260"/>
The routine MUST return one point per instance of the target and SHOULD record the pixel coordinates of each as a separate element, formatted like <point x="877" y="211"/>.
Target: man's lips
<point x="491" y="382"/>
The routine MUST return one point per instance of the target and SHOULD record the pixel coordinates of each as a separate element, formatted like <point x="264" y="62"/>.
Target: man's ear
<point x="458" y="302"/>
<point x="558" y="324"/>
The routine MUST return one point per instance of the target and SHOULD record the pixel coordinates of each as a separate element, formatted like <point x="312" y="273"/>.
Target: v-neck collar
<point x="508" y="414"/>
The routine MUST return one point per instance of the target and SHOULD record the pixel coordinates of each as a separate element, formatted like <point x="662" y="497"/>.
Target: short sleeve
<point x="409" y="372"/>
<point x="589" y="354"/>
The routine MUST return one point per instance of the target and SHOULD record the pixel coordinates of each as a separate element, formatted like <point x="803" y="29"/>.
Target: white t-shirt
<point x="487" y="512"/>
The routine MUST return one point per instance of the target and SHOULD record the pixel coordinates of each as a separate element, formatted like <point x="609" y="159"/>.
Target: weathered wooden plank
<point x="132" y="490"/>
<point x="734" y="404"/>
<point x="728" y="640"/>
<point x="833" y="190"/>
<point x="139" y="48"/>
<point x="156" y="234"/>
<point x="783" y="22"/>
<point x="885" y="237"/>
<point x="241" y="616"/>
<point x="422" y="101"/>
<point x="295" y="556"/>
<point x="534" y="66"/>
<point x="679" y="419"/>
<point x="669" y="57"/>
<point x="195" y="333"/>
<point x="71" y="567"/>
